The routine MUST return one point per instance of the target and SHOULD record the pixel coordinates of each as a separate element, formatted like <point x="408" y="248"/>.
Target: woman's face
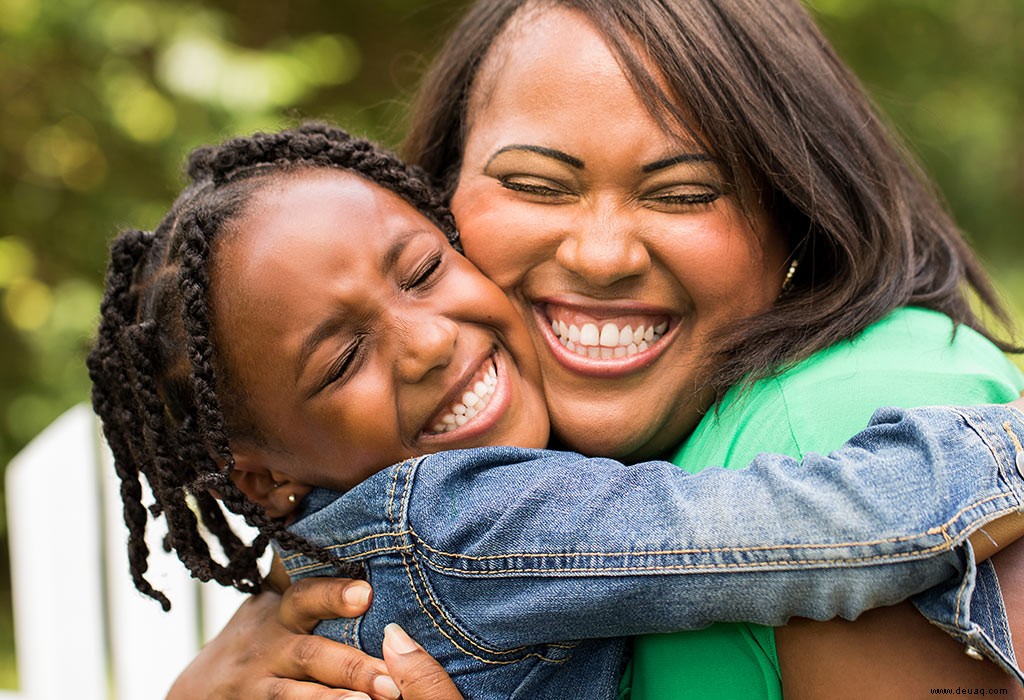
<point x="360" y="338"/>
<point x="619" y="242"/>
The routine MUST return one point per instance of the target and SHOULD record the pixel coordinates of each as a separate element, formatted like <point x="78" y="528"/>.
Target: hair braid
<point x="156" y="378"/>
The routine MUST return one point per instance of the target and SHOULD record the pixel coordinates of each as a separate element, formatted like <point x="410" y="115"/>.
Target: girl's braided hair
<point x="157" y="382"/>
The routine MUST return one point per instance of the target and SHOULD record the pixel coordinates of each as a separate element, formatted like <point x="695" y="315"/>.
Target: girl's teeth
<point x="473" y="402"/>
<point x="609" y="341"/>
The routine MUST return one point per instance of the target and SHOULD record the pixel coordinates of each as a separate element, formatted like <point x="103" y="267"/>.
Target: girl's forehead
<point x="308" y="220"/>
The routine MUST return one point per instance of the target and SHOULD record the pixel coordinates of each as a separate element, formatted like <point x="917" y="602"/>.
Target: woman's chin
<point x="623" y="431"/>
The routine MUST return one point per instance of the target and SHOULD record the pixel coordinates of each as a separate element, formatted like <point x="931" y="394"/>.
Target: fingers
<point x="284" y="689"/>
<point x="417" y="674"/>
<point x="255" y="657"/>
<point x="337" y="666"/>
<point x="311" y="600"/>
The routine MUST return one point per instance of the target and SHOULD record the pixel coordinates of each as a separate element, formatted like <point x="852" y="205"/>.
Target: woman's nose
<point x="427" y="343"/>
<point x="604" y="248"/>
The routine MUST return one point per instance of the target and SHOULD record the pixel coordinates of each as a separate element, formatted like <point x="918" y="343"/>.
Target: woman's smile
<point x="601" y="339"/>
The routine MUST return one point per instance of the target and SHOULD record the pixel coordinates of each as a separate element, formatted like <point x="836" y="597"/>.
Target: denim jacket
<point x="521" y="570"/>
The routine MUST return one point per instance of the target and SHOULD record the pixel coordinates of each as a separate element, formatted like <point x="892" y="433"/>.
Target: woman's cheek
<point x="488" y="244"/>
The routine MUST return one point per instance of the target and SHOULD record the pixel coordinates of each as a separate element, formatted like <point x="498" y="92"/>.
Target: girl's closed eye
<point x="425" y="272"/>
<point x="342" y="367"/>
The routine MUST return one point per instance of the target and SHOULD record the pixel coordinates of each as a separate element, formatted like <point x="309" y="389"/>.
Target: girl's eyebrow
<point x="674" y="160"/>
<point x="547" y="152"/>
<point x="322" y="332"/>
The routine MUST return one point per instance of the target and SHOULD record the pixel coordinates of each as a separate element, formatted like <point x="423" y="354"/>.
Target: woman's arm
<point x="894" y="652"/>
<point x="907" y="657"/>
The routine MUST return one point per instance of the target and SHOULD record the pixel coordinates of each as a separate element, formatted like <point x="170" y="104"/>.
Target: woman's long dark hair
<point x="794" y="132"/>
<point x="167" y="407"/>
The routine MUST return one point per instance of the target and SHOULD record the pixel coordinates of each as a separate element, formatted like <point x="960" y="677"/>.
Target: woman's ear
<point x="278" y="493"/>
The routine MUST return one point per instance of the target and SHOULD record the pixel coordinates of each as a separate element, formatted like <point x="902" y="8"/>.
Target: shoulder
<point x="912" y="357"/>
<point x="908" y="344"/>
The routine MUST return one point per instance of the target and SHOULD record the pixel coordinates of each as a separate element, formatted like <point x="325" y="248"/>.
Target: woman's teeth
<point x="473" y="401"/>
<point x="609" y="341"/>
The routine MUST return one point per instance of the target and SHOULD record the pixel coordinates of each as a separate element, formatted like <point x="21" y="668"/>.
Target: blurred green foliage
<point x="101" y="99"/>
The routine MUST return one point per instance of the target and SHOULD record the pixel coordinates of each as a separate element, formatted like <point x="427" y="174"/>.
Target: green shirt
<point x="909" y="358"/>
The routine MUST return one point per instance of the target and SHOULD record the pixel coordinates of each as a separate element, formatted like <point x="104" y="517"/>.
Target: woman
<point x="678" y="183"/>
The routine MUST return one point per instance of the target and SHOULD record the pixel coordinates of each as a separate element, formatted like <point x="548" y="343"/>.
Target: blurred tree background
<point x="101" y="99"/>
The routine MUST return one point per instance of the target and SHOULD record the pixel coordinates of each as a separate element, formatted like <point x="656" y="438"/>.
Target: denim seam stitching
<point x="352" y="542"/>
<point x="1004" y="455"/>
<point x="941" y="529"/>
<point x="459" y="632"/>
<point x="948" y="543"/>
<point x="408" y="557"/>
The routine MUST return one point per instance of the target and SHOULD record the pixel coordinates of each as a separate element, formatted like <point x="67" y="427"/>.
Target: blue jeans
<point x="521" y="570"/>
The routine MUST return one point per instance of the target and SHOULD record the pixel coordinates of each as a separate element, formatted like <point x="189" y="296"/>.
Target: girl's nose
<point x="605" y="247"/>
<point x="428" y="343"/>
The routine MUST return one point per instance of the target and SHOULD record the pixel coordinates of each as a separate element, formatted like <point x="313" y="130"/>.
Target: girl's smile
<point x="357" y="337"/>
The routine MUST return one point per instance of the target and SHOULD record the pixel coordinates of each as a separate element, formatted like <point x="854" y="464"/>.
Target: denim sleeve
<point x="535" y="546"/>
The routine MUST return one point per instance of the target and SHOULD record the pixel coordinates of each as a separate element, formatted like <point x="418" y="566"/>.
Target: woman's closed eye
<point x="542" y="188"/>
<point x="682" y="198"/>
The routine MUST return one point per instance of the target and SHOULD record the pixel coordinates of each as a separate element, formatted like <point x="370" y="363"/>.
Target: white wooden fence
<point x="82" y="630"/>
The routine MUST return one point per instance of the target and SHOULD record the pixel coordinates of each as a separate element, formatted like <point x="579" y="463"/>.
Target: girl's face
<point x="618" y="242"/>
<point x="358" y="337"/>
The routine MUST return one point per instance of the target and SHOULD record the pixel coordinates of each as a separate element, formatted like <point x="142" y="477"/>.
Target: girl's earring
<point x="291" y="498"/>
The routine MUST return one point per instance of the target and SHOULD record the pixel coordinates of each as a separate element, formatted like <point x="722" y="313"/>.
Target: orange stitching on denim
<point x="394" y="485"/>
<point x="943" y="530"/>
<point x="351" y="542"/>
<point x="944" y="546"/>
<point x="987" y="437"/>
<point x="1009" y="431"/>
<point x="441" y="610"/>
<point x="960" y="593"/>
<point x="412" y="587"/>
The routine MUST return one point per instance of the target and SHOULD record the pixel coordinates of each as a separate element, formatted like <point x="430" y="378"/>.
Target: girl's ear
<point x="278" y="493"/>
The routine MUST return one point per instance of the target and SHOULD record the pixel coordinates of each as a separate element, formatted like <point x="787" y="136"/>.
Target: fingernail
<point x="385" y="687"/>
<point x="396" y="638"/>
<point x="357" y="593"/>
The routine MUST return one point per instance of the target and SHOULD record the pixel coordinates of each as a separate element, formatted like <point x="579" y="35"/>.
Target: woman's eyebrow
<point x="674" y="160"/>
<point x="547" y="152"/>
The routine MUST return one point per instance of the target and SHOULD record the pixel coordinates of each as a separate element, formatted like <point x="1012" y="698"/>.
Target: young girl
<point x="300" y="318"/>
